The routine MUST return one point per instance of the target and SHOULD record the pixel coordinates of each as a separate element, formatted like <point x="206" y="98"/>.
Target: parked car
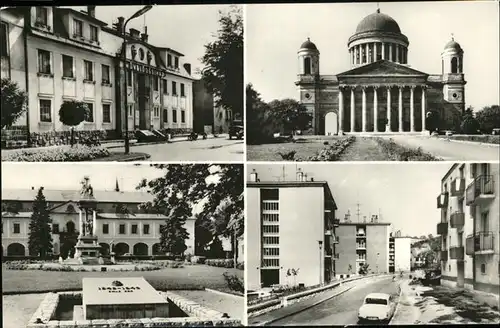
<point x="236" y="130"/>
<point x="377" y="307"/>
<point x="448" y="133"/>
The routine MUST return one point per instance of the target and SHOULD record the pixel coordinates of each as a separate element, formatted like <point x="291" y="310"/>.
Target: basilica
<point x="380" y="93"/>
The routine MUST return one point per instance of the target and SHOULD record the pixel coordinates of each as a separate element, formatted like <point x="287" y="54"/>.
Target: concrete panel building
<point x="290" y="225"/>
<point x="470" y="227"/>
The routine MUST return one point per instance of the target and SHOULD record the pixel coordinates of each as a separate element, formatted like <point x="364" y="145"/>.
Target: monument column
<point x="94" y="223"/>
<point x="423" y="108"/>
<point x="341" y="111"/>
<point x="412" y="109"/>
<point x="80" y="222"/>
<point x="400" y="109"/>
<point x="375" y="109"/>
<point x="363" y="117"/>
<point x="352" y="110"/>
<point x="389" y="108"/>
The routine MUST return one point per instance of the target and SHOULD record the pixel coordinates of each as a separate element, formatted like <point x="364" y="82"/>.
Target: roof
<point x="378" y="295"/>
<point x="364" y="223"/>
<point x="453" y="45"/>
<point x="378" y="22"/>
<point x="308" y="45"/>
<point x="52" y="195"/>
<point x="383" y="68"/>
<point x="138" y="216"/>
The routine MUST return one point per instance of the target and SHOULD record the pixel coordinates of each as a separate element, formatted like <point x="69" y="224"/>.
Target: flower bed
<point x="221" y="263"/>
<point x="80" y="268"/>
<point x="164" y="264"/>
<point x="332" y="152"/>
<point x="76" y="153"/>
<point x="397" y="152"/>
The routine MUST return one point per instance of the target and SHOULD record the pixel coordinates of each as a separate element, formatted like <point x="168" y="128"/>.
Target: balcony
<point x="457" y="187"/>
<point x="442" y="200"/>
<point x="457" y="253"/>
<point x="481" y="190"/>
<point x="480" y="243"/>
<point x="329" y="251"/>
<point x="336" y="256"/>
<point x="442" y="228"/>
<point x="328" y="232"/>
<point x="457" y="219"/>
<point x="360" y="235"/>
<point x="444" y="255"/>
<point x="360" y="247"/>
<point x="361" y="259"/>
<point x="335" y="239"/>
<point x="336" y="222"/>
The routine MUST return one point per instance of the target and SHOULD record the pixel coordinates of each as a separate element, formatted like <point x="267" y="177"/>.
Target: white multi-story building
<point x="470" y="227"/>
<point x="402" y="254"/>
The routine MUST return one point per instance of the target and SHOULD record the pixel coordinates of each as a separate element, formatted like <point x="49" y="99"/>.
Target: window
<point x="271" y="251"/>
<point x="183" y="116"/>
<point x="169" y="60"/>
<point x="45" y="110"/>
<point x="130" y="110"/>
<point x="266" y="217"/>
<point x="41" y="16"/>
<point x="17" y="228"/>
<point x="155" y="83"/>
<point x="134" y="229"/>
<point x="165" y="115"/>
<point x="77" y="28"/>
<point x="174" y="115"/>
<point x="174" y="88"/>
<point x="271" y="240"/>
<point x="93" y="33"/>
<point x="4" y="47"/>
<point x="91" y="112"/>
<point x="68" y="66"/>
<point x="156" y="111"/>
<point x="483" y="268"/>
<point x="161" y="228"/>
<point x="105" y="228"/>
<point x="485" y="222"/>
<point x="380" y="301"/>
<point x="485" y="169"/>
<point x="271" y="229"/>
<point x="55" y="228"/>
<point x="473" y="171"/>
<point x="44" y="62"/>
<point x="182" y="90"/>
<point x="454" y="65"/>
<point x="89" y="70"/>
<point x="106" y="113"/>
<point x="165" y="86"/>
<point x="176" y="62"/>
<point x="129" y="78"/>
<point x="270" y="262"/>
<point x="121" y="230"/>
<point x="105" y="74"/>
<point x="146" y="229"/>
<point x="307" y="65"/>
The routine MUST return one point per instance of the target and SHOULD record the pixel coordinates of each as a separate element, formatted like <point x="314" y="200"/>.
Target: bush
<point x="221" y="263"/>
<point x="61" y="154"/>
<point x="333" y="152"/>
<point x="233" y="282"/>
<point x="399" y="153"/>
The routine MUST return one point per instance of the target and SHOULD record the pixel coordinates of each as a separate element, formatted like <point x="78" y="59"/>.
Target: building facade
<point x="470" y="227"/>
<point x="284" y="239"/>
<point x="380" y="93"/>
<point x="59" y="54"/>
<point x="361" y="243"/>
<point x="402" y="254"/>
<point x="118" y="221"/>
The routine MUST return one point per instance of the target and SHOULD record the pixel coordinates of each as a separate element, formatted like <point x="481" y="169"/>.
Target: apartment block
<point x="290" y="229"/>
<point x="469" y="227"/>
<point x="402" y="254"/>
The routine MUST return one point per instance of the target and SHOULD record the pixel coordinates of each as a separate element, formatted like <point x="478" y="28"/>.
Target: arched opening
<point x="307" y="65"/>
<point x="70" y="227"/>
<point x="454" y="65"/>
<point x="331" y="123"/>
<point x="15" y="249"/>
<point x="104" y="248"/>
<point x="121" y="248"/>
<point x="157" y="249"/>
<point x="140" y="249"/>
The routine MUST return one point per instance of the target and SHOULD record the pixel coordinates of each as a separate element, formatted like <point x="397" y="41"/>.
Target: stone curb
<point x="239" y="297"/>
<point x="397" y="305"/>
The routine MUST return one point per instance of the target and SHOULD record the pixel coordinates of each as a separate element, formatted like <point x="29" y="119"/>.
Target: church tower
<point x="453" y="74"/>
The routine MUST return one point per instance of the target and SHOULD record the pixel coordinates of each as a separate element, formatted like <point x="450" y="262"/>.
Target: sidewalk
<point x="407" y="312"/>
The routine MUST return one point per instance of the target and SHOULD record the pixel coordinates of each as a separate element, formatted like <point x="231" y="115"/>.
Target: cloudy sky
<point x="405" y="194"/>
<point x="185" y="28"/>
<point x="274" y="34"/>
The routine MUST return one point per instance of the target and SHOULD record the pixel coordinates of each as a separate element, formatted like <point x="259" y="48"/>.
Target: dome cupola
<point x="378" y="22"/>
<point x="308" y="45"/>
<point x="308" y="56"/>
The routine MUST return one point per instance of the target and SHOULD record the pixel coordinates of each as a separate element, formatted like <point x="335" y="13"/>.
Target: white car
<point x="376" y="307"/>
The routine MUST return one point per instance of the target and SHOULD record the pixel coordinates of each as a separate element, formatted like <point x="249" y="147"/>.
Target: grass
<point x="190" y="277"/>
<point x="364" y="149"/>
<point x="271" y="152"/>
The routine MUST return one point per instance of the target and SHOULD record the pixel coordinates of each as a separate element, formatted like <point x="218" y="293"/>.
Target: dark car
<point x="236" y="130"/>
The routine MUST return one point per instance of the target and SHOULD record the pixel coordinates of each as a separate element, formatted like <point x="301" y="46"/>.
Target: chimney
<point x="91" y="11"/>
<point x="254" y="176"/>
<point x="312" y="179"/>
<point x="32" y="188"/>
<point x="144" y="36"/>
<point x="134" y="33"/>
<point x="119" y="24"/>
<point x="187" y="67"/>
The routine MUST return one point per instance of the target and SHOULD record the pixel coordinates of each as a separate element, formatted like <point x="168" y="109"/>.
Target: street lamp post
<point x="124" y="60"/>
<point x="320" y="243"/>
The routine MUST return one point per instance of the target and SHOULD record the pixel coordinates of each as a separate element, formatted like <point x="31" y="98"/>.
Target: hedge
<point x="77" y="153"/>
<point x="221" y="263"/>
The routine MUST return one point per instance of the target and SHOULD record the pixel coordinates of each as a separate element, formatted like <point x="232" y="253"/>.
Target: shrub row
<point x="61" y="154"/>
<point x="221" y="263"/>
<point x="51" y="138"/>
<point x="69" y="268"/>
<point x="164" y="264"/>
<point x="332" y="152"/>
<point x="400" y="153"/>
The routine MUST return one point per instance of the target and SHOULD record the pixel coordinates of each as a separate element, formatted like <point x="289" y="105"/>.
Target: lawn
<point x="188" y="277"/>
<point x="271" y="152"/>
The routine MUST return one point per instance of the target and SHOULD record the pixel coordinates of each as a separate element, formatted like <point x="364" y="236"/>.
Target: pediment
<point x="382" y="68"/>
<point x="69" y="207"/>
<point x="143" y="54"/>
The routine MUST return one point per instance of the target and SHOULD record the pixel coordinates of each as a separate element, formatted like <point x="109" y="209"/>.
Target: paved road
<point x="212" y="149"/>
<point x="343" y="309"/>
<point x="450" y="150"/>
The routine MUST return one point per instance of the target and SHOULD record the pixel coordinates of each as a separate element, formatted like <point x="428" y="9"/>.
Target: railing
<point x="444" y="255"/>
<point x="457" y="219"/>
<point x="336" y="256"/>
<point x="360" y="235"/>
<point x="457" y="187"/>
<point x="482" y="185"/>
<point x="469" y="245"/>
<point x="484" y="241"/>
<point x="442" y="200"/>
<point x="360" y="246"/>
<point x="336" y="222"/>
<point x="328" y="251"/>
<point x="457" y="253"/>
<point x="335" y="239"/>
<point x="442" y="228"/>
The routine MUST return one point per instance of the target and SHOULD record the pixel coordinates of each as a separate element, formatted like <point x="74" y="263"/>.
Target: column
<point x="390" y="52"/>
<point x="383" y="50"/>
<point x="94" y="223"/>
<point x="389" y="108"/>
<point x="341" y="111"/>
<point x="352" y="110"/>
<point x="398" y="58"/>
<point x="375" y="109"/>
<point x="412" y="109"/>
<point x="375" y="51"/>
<point x="356" y="55"/>
<point x="80" y="222"/>
<point x="400" y="109"/>
<point x="367" y="53"/>
<point x="423" y="108"/>
<point x="363" y="121"/>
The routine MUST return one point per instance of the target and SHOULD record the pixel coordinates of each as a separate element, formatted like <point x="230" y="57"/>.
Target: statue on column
<point x="87" y="192"/>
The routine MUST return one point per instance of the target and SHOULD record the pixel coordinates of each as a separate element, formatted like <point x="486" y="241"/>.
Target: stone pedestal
<point x="87" y="249"/>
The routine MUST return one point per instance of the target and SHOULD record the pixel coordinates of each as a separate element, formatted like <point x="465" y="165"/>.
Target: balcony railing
<point x="457" y="253"/>
<point x="336" y="256"/>
<point x="444" y="255"/>
<point x="360" y="246"/>
<point x="442" y="200"/>
<point x="442" y="228"/>
<point x="457" y="219"/>
<point x="457" y="187"/>
<point x="483" y="185"/>
<point x="328" y="251"/>
<point x="481" y="242"/>
<point x="360" y="235"/>
<point x="335" y="239"/>
<point x="336" y="222"/>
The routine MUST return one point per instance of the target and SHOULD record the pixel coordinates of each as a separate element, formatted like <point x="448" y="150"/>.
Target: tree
<point x="40" y="234"/>
<point x="349" y="269"/>
<point x="488" y="118"/>
<point x="259" y="128"/>
<point x="72" y="113"/>
<point x="432" y="120"/>
<point x="216" y="248"/>
<point x="173" y="233"/>
<point x="223" y="60"/>
<point x="289" y="114"/>
<point x="14" y="102"/>
<point x="68" y="240"/>
<point x="363" y="268"/>
<point x="12" y="207"/>
<point x="469" y="124"/>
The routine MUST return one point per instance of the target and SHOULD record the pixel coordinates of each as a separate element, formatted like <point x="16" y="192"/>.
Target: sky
<point x="275" y="32"/>
<point x="67" y="176"/>
<point x="184" y="28"/>
<point x="405" y="193"/>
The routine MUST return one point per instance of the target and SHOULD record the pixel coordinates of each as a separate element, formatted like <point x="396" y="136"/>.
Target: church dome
<point x="308" y="45"/>
<point x="453" y="45"/>
<point x="378" y="22"/>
